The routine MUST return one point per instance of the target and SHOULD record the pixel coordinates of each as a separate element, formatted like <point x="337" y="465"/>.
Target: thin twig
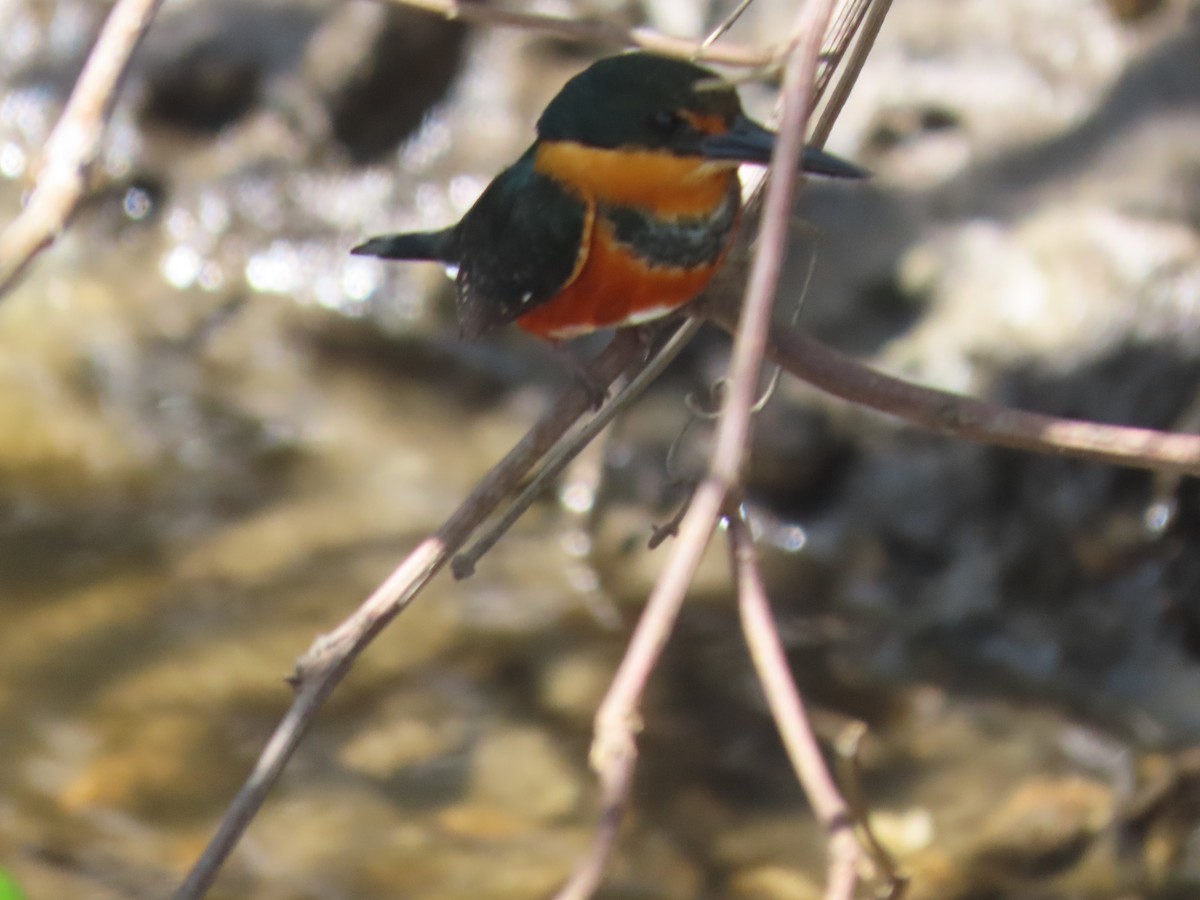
<point x="864" y="22"/>
<point x="841" y="29"/>
<point x="75" y="143"/>
<point x="966" y="417"/>
<point x="696" y="412"/>
<point x="331" y="655"/>
<point x="787" y="709"/>
<point x="463" y="565"/>
<point x="596" y="33"/>
<point x="724" y="25"/>
<point x="777" y="370"/>
<point x="670" y="528"/>
<point x="848" y="762"/>
<point x="614" y="748"/>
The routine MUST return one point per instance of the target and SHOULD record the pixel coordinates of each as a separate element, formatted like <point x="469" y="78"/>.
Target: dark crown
<point x="634" y="100"/>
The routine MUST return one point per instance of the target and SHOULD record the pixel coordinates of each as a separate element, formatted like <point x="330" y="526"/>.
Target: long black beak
<point x="749" y="142"/>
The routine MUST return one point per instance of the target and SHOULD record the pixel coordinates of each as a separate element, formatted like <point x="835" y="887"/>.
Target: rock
<point x="412" y="731"/>
<point x="175" y="762"/>
<point x="520" y="771"/>
<point x="572" y="683"/>
<point x="773" y="883"/>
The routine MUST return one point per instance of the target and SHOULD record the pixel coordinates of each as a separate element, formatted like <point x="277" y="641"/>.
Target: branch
<point x="862" y="18"/>
<point x="787" y="709"/>
<point x="332" y="655"/>
<point x="596" y="33"/>
<point x="977" y="420"/>
<point x="614" y="749"/>
<point x="565" y="451"/>
<point x="75" y="143"/>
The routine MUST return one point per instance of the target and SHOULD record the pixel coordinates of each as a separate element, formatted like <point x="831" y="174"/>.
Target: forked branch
<point x="614" y="749"/>
<point x="846" y="856"/>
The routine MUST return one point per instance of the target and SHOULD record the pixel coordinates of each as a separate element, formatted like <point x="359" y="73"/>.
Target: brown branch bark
<point x="976" y="420"/>
<point x="597" y="33"/>
<point x="787" y="709"/>
<point x="567" y="449"/>
<point x="614" y="748"/>
<point x="76" y="141"/>
<point x="332" y="655"/>
<point x="862" y="21"/>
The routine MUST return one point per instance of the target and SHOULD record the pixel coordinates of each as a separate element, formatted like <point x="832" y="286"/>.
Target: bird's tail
<point x="435" y="246"/>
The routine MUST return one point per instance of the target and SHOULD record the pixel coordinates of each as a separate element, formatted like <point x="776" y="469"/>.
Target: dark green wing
<point x="517" y="247"/>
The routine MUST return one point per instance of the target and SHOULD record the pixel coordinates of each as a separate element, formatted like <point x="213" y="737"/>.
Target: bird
<point x="619" y="213"/>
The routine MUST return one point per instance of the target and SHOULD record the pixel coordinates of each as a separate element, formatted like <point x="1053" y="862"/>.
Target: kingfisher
<point x="620" y="212"/>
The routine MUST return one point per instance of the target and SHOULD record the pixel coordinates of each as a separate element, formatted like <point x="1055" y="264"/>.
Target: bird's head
<point x="643" y="102"/>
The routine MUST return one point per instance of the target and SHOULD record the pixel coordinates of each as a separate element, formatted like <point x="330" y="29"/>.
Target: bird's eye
<point x="666" y="122"/>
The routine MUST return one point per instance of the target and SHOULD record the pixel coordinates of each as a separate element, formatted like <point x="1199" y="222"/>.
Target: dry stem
<point x="332" y="655"/>
<point x="75" y="143"/>
<point x="597" y="33"/>
<point x="787" y="709"/>
<point x="569" y="447"/>
<point x="614" y="749"/>
<point x="977" y="420"/>
<point x="861" y="22"/>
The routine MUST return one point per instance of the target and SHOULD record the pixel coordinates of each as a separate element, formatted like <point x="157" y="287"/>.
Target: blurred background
<point x="218" y="432"/>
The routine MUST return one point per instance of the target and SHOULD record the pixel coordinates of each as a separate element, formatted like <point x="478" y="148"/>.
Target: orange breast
<point x="612" y="286"/>
<point x="615" y="288"/>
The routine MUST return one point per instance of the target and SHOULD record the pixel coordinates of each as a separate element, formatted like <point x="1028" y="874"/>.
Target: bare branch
<point x="848" y="764"/>
<point x="977" y="420"/>
<point x="75" y="143"/>
<point x="864" y="18"/>
<point x="614" y="749"/>
<point x="463" y="565"/>
<point x="596" y="33"/>
<point x="332" y="655"/>
<point x="724" y="25"/>
<point x="787" y="709"/>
